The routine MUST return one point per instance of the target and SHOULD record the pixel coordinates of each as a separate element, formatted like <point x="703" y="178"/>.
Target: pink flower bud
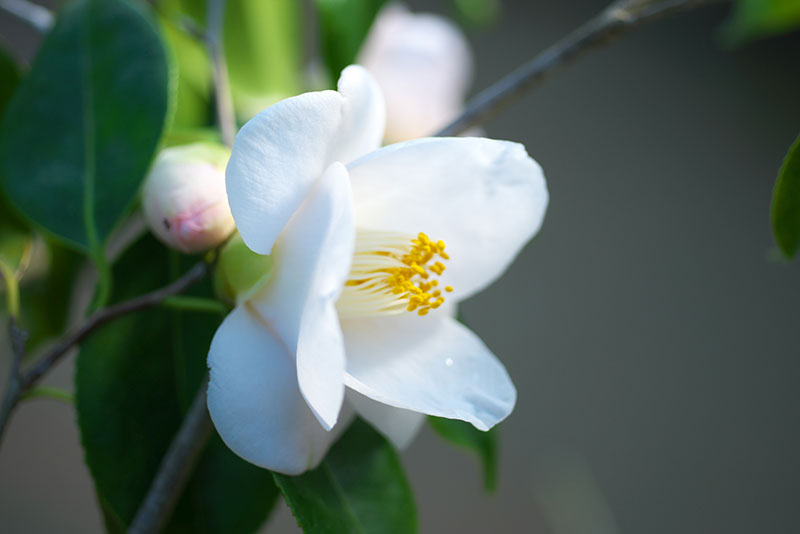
<point x="184" y="198"/>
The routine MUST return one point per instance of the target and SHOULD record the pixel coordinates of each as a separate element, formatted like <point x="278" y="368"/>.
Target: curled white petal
<point x="432" y="365"/>
<point x="254" y="400"/>
<point x="280" y="154"/>
<point x="311" y="261"/>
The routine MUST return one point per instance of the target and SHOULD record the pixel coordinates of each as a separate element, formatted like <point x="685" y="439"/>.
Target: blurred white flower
<point x="423" y="64"/>
<point x="184" y="199"/>
<point x="356" y="295"/>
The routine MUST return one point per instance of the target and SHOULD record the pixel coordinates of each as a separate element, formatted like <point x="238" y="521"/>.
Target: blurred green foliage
<point x="263" y="52"/>
<point x="477" y="13"/>
<point x="786" y="203"/>
<point x="344" y="25"/>
<point x="752" y="19"/>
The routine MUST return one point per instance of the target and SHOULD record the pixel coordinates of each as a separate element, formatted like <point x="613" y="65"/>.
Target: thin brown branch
<point x="20" y="382"/>
<point x="215" y="17"/>
<point x="616" y="20"/>
<point x="37" y="17"/>
<point x="14" y="387"/>
<point x="175" y="468"/>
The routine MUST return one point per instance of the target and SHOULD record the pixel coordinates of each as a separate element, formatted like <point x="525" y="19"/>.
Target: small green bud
<point x="240" y="271"/>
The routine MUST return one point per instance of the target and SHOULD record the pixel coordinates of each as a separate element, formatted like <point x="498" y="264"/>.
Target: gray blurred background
<point x="650" y="329"/>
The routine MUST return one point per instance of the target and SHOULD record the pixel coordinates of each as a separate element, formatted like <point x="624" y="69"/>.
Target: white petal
<point x="398" y="425"/>
<point x="423" y="64"/>
<point x="484" y="198"/>
<point x="312" y="259"/>
<point x="432" y="365"/>
<point x="363" y="114"/>
<point x="280" y="154"/>
<point x="254" y="400"/>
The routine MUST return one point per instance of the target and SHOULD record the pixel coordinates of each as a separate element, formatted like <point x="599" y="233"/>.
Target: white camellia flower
<point x="371" y="247"/>
<point x="423" y="65"/>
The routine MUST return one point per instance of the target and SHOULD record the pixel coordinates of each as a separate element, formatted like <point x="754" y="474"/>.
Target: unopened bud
<point x="184" y="198"/>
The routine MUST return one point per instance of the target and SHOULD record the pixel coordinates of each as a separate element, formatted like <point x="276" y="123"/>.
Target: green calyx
<point x="240" y="271"/>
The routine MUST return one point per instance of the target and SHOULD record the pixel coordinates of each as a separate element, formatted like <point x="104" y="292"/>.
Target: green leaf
<point x="82" y="128"/>
<point x="359" y="488"/>
<point x="9" y="78"/>
<point x="134" y="380"/>
<point x="786" y="203"/>
<point x="466" y="436"/>
<point x="751" y="19"/>
<point x="344" y="25"/>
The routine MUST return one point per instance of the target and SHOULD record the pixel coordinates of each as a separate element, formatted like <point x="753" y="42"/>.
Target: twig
<point x="179" y="460"/>
<point x="19" y="383"/>
<point x="35" y="16"/>
<point x="14" y="388"/>
<point x="613" y="22"/>
<point x="175" y="468"/>
<point x="215" y="16"/>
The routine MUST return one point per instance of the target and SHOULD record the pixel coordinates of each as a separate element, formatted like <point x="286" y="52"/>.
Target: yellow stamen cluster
<point x="392" y="273"/>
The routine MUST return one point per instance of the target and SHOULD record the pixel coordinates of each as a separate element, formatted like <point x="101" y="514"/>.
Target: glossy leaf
<point x="344" y="25"/>
<point x="359" y="488"/>
<point x="786" y="203"/>
<point x="134" y="380"/>
<point x="751" y="19"/>
<point x="82" y="128"/>
<point x="466" y="436"/>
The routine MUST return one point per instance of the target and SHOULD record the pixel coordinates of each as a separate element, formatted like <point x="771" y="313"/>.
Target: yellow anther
<point x="392" y="273"/>
<point x="449" y="289"/>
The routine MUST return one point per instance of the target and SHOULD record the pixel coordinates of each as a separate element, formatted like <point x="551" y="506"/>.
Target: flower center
<point x="393" y="272"/>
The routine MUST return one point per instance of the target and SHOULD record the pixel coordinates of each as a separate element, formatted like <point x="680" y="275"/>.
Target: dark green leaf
<point x="786" y="203"/>
<point x="133" y="380"/>
<point x="466" y="436"/>
<point x="751" y="19"/>
<point x="344" y="25"/>
<point x="79" y="134"/>
<point x="9" y="78"/>
<point x="359" y="488"/>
